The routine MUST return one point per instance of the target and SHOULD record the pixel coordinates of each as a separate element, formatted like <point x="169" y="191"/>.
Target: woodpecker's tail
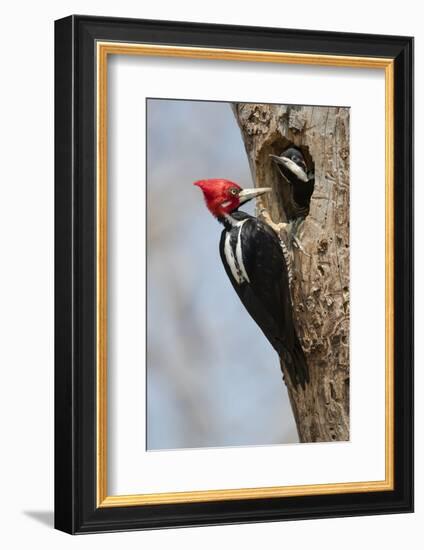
<point x="295" y="364"/>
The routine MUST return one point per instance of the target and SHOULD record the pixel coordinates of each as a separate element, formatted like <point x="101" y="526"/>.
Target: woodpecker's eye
<point x="234" y="191"/>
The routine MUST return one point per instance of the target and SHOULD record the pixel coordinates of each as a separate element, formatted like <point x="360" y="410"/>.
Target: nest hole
<point x="293" y="203"/>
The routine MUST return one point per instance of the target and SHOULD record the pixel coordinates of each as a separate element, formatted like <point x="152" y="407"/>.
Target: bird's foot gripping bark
<point x="287" y="232"/>
<point x="298" y="245"/>
<point x="294" y="239"/>
<point x="282" y="230"/>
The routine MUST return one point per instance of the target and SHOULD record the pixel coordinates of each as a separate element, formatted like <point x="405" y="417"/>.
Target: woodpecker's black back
<point x="254" y="261"/>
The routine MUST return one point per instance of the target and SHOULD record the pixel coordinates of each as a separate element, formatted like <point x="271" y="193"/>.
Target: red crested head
<point x="223" y="196"/>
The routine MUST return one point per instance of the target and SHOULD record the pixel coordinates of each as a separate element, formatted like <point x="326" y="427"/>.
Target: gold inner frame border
<point x="103" y="50"/>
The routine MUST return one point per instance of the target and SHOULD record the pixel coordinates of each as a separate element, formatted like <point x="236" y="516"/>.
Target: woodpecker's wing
<point x="302" y="193"/>
<point x="266" y="293"/>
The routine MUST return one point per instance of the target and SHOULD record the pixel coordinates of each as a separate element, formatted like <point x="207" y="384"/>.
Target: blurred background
<point x="212" y="377"/>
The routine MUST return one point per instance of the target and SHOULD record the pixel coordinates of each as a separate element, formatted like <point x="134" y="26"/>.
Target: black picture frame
<point x="76" y="510"/>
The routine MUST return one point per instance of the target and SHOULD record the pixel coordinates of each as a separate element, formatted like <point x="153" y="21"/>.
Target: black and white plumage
<point x="254" y="261"/>
<point x="292" y="167"/>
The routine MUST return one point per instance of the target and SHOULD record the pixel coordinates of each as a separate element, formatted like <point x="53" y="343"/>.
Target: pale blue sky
<point x="212" y="377"/>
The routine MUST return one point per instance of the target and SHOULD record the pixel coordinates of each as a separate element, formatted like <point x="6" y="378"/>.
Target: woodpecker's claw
<point x="277" y="227"/>
<point x="299" y="246"/>
<point x="293" y="239"/>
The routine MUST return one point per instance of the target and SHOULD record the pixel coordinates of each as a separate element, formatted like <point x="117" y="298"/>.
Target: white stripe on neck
<point x="236" y="263"/>
<point x="239" y="253"/>
<point x="231" y="261"/>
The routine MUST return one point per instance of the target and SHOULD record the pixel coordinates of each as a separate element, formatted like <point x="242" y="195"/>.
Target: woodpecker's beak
<point x="292" y="166"/>
<point x="248" y="194"/>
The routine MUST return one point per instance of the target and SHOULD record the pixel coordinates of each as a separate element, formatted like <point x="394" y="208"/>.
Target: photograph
<point x="209" y="255"/>
<point x="247" y="274"/>
<point x="233" y="274"/>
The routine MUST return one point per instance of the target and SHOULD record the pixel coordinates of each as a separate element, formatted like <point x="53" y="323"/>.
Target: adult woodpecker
<point x="254" y="260"/>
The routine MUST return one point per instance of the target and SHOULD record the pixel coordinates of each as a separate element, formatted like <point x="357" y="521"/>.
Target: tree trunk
<point x="320" y="289"/>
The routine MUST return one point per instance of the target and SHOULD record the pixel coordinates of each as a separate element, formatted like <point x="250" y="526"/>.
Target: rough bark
<point x="320" y="290"/>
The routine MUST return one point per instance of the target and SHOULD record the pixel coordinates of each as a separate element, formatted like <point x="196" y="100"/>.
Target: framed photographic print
<point x="234" y="263"/>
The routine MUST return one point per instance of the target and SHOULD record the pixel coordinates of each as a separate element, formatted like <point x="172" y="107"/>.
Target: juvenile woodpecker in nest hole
<point x="254" y="262"/>
<point x="292" y="167"/>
